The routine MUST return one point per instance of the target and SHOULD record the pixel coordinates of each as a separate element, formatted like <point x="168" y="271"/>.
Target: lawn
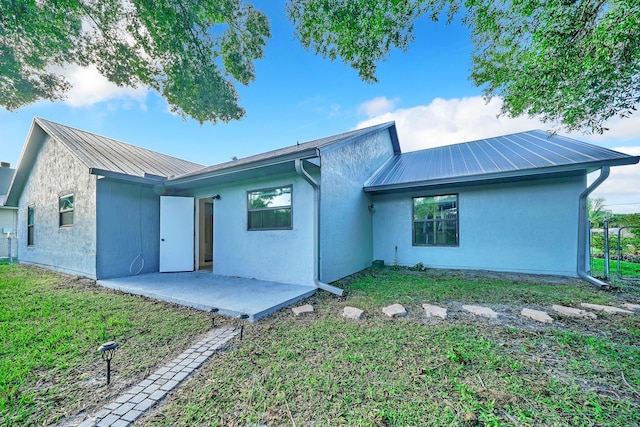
<point x="321" y="370"/>
<point x="324" y="371"/>
<point x="51" y="326"/>
<point x="627" y="269"/>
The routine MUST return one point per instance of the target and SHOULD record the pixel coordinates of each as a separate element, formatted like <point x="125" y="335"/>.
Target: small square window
<point x="269" y="209"/>
<point x="435" y="220"/>
<point x="66" y="210"/>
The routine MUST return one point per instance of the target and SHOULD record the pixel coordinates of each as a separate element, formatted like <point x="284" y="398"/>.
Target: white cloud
<point x="450" y="121"/>
<point x="90" y="87"/>
<point x="622" y="189"/>
<point x="377" y="106"/>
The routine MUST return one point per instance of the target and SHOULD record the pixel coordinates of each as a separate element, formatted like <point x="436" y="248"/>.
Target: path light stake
<point x="243" y="320"/>
<point x="213" y="312"/>
<point x="108" y="349"/>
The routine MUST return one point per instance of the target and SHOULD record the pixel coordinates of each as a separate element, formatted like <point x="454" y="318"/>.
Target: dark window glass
<point x="30" y="224"/>
<point x="435" y="221"/>
<point x="269" y="209"/>
<point x="66" y="210"/>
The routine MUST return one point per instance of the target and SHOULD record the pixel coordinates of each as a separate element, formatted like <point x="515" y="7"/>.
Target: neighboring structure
<point x="8" y="215"/>
<point x="310" y="213"/>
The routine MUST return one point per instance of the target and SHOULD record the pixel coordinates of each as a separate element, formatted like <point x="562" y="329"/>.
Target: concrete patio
<point x="203" y="290"/>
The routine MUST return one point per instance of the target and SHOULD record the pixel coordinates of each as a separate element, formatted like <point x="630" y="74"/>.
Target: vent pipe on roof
<point x="583" y="229"/>
<point x="316" y="232"/>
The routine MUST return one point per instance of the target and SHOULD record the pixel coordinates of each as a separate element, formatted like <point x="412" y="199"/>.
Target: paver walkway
<point x="139" y="398"/>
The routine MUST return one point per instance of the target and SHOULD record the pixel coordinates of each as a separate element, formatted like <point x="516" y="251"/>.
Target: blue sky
<point x="298" y="97"/>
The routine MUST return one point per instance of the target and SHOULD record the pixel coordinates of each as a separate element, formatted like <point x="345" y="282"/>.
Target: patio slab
<point x="203" y="290"/>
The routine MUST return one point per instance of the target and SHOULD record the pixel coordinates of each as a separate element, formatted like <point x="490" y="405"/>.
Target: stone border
<point x="129" y="406"/>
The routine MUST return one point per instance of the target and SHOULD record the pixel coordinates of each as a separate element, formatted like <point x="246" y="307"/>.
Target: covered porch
<point x="204" y="290"/>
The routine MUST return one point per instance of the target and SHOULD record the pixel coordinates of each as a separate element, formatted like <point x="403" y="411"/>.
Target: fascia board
<point x="498" y="176"/>
<point x="307" y="154"/>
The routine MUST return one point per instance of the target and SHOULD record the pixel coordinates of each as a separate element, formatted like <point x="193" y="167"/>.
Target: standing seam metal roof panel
<point x="104" y="153"/>
<point x="516" y="153"/>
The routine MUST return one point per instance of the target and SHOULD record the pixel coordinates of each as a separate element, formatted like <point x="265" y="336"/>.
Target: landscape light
<point x="243" y="320"/>
<point x="108" y="349"/>
<point x="213" y="312"/>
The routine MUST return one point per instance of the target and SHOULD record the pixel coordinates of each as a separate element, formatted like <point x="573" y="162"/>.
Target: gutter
<point x="582" y="228"/>
<point x="316" y="232"/>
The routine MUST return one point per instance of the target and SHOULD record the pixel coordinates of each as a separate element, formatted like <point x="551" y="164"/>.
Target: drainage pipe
<point x="582" y="228"/>
<point x="316" y="230"/>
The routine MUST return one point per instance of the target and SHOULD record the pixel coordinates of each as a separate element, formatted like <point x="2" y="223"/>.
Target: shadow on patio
<point x="231" y="295"/>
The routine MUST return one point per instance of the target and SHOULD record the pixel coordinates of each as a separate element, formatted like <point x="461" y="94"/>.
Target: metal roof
<point x="514" y="157"/>
<point x="281" y="160"/>
<point x="106" y="154"/>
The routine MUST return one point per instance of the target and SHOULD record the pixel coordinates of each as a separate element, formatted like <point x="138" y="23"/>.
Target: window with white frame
<point x="435" y="220"/>
<point x="66" y="210"/>
<point x="269" y="209"/>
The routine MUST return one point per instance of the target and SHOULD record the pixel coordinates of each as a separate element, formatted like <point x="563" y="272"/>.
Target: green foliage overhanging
<point x="574" y="64"/>
<point x="192" y="52"/>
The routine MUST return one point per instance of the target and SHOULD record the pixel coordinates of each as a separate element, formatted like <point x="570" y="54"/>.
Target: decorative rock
<point x="632" y="306"/>
<point x="481" y="311"/>
<point x="573" y="312"/>
<point x="537" y="315"/>
<point x="352" y="313"/>
<point x="434" y="310"/>
<point x="395" y="310"/>
<point x="302" y="310"/>
<point x="605" y="308"/>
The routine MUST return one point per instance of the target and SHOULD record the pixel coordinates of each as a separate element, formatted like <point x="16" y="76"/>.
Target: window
<point x="30" y="222"/>
<point x="435" y="220"/>
<point x="269" y="209"/>
<point x="66" y="210"/>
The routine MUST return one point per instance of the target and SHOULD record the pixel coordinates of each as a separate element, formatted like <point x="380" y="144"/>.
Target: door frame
<point x="198" y="213"/>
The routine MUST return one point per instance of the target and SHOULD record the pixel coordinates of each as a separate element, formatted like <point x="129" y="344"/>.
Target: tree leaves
<point x="192" y="52"/>
<point x="574" y="63"/>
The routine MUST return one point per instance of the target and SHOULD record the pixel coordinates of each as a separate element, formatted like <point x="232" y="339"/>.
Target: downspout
<point x="316" y="230"/>
<point x="582" y="228"/>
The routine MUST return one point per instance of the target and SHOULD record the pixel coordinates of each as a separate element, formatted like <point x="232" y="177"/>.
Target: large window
<point x="269" y="209"/>
<point x="66" y="210"/>
<point x="435" y="220"/>
<point x="30" y="223"/>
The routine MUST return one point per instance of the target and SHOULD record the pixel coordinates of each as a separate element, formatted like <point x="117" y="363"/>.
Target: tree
<point x="192" y="52"/>
<point x="575" y="63"/>
<point x="597" y="212"/>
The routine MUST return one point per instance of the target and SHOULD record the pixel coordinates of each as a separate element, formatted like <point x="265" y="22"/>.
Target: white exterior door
<point x="176" y="234"/>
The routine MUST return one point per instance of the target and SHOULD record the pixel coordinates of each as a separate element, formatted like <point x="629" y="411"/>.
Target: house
<point x="306" y="214"/>
<point x="8" y="214"/>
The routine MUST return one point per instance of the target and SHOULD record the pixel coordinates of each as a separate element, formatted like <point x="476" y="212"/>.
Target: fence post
<point x="607" y="258"/>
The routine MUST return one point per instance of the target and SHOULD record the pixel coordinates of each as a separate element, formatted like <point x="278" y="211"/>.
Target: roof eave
<point x="236" y="169"/>
<point x="117" y="176"/>
<point x="499" y="177"/>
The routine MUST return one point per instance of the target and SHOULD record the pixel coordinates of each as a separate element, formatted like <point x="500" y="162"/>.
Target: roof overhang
<point x="241" y="171"/>
<point x="498" y="177"/>
<point x="35" y="139"/>
<point x="147" y="179"/>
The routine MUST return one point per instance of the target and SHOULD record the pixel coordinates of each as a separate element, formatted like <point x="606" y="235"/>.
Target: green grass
<point x="323" y="371"/>
<point x="627" y="269"/>
<point x="51" y="326"/>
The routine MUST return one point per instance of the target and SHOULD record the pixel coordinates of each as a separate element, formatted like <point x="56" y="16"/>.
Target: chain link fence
<point x="615" y="252"/>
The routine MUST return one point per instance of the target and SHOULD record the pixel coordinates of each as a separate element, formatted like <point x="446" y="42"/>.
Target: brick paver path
<point x="139" y="398"/>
